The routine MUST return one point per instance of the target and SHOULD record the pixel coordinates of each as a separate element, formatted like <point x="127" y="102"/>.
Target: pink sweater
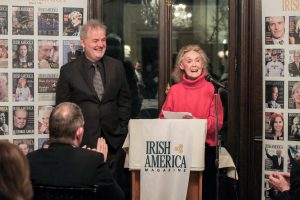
<point x="196" y="97"/>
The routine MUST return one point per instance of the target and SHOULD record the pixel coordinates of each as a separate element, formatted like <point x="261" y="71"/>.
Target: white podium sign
<point x="165" y="150"/>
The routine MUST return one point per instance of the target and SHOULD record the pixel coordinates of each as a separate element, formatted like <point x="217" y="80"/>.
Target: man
<point x="287" y="183"/>
<point x="274" y="68"/>
<point x="295" y="128"/>
<point x="106" y="109"/>
<point x="277" y="160"/>
<point x="272" y="98"/>
<point x="22" y="60"/>
<point x="294" y="67"/>
<point x="21" y="125"/>
<point x="3" y="125"/>
<point x="73" y="53"/>
<point x="277" y="30"/>
<point x="64" y="163"/>
<point x="45" y="54"/>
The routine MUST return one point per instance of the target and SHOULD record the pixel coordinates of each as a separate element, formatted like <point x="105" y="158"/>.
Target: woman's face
<point x="296" y="95"/>
<point x="278" y="124"/>
<point x="192" y="64"/>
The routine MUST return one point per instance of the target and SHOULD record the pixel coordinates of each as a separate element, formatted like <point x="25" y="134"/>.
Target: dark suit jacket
<point x="111" y="114"/>
<point x="274" y="159"/>
<point x="294" y="192"/>
<point x="65" y="165"/>
<point x="73" y="57"/>
<point x="293" y="70"/>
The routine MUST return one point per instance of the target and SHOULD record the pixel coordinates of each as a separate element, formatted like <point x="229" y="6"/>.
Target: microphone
<point x="216" y="83"/>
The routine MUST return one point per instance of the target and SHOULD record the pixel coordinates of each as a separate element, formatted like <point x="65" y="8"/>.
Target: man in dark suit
<point x="97" y="83"/>
<point x="73" y="53"/>
<point x="288" y="184"/>
<point x="64" y="163"/>
<point x="294" y="67"/>
<point x="277" y="160"/>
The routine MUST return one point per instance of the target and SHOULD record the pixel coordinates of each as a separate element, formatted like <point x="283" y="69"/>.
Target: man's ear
<point x="79" y="133"/>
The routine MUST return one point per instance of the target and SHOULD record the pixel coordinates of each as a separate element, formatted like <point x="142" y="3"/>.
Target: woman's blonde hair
<point x="14" y="173"/>
<point x="295" y="86"/>
<point x="177" y="72"/>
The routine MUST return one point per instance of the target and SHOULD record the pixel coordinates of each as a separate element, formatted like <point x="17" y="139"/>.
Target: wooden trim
<point x="95" y="9"/>
<point x="165" y="48"/>
<point x="245" y="97"/>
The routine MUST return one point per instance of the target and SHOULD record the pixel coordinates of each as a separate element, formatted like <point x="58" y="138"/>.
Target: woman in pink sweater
<point x="192" y="93"/>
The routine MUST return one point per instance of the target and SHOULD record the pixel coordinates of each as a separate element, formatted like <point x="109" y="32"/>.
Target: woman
<point x="277" y="127"/>
<point x="14" y="177"/>
<point x="23" y="92"/>
<point x="296" y="95"/>
<point x="194" y="94"/>
<point x="272" y="98"/>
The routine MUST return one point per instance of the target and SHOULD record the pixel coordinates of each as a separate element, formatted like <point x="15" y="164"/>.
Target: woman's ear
<point x="181" y="66"/>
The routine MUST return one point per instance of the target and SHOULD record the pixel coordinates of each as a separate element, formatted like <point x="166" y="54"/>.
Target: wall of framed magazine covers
<point x="281" y="85"/>
<point x="36" y="38"/>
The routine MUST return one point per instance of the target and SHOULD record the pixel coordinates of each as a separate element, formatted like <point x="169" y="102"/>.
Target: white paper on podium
<point x="175" y="115"/>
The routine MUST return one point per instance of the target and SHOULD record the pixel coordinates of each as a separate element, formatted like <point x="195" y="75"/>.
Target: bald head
<point x="65" y="119"/>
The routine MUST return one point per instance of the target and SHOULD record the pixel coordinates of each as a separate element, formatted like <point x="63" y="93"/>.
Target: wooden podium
<point x="133" y="145"/>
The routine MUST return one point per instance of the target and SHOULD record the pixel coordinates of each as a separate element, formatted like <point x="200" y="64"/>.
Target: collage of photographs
<point x="281" y="72"/>
<point x="35" y="41"/>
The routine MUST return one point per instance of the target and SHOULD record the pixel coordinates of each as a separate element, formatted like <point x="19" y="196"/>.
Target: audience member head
<point x="183" y="64"/>
<point x="14" y="173"/>
<point x="66" y="124"/>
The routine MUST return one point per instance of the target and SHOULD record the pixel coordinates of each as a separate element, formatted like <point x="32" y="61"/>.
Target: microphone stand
<point x="218" y="144"/>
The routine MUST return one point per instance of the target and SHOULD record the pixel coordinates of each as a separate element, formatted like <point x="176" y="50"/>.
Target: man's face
<point x="276" y="27"/>
<point x="274" y="57"/>
<point x="2" y="119"/>
<point x="20" y="118"/>
<point x="72" y="47"/>
<point x="296" y="122"/>
<point x="278" y="152"/>
<point x="45" y="49"/>
<point x="95" y="44"/>
<point x="296" y="57"/>
<point x="274" y="93"/>
<point x="23" y="51"/>
<point x="24" y="148"/>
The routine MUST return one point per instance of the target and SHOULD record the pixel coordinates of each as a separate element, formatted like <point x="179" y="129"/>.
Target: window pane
<point x="132" y="30"/>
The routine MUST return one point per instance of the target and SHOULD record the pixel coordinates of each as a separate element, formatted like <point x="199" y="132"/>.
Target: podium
<point x="134" y="145"/>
